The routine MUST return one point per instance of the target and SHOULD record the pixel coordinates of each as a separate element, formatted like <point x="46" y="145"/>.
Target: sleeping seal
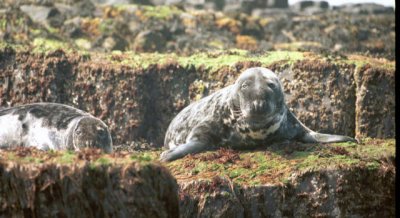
<point x="52" y="126"/>
<point x="252" y="112"/>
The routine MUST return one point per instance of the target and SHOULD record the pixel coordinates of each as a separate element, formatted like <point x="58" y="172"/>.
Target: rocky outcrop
<point x="92" y="54"/>
<point x="329" y="193"/>
<point x="372" y="119"/>
<point x="40" y="184"/>
<point x="290" y="180"/>
<point x="139" y="102"/>
<point x="311" y="6"/>
<point x="322" y="95"/>
<point x="364" y="8"/>
<point x="107" y="27"/>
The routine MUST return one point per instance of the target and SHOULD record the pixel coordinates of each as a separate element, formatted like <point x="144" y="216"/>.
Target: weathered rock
<point x="322" y="95"/>
<point x="149" y="41"/>
<point x="84" y="8"/>
<point x="114" y="42"/>
<point x="83" y="188"/>
<point x="121" y="2"/>
<point x="139" y="102"/>
<point x="365" y="8"/>
<point x="17" y="26"/>
<point x="187" y="31"/>
<point x="44" y="15"/>
<point x="45" y="81"/>
<point x="375" y="105"/>
<point x="310" y="6"/>
<point x="117" y="96"/>
<point x="329" y="193"/>
<point x="111" y="2"/>
<point x="72" y="28"/>
<point x="290" y="180"/>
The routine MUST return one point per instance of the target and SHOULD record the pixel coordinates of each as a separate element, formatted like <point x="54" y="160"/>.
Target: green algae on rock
<point x="290" y="180"/>
<point x="274" y="165"/>
<point x="332" y="177"/>
<point x="85" y="183"/>
<point x="189" y="31"/>
<point x="137" y="94"/>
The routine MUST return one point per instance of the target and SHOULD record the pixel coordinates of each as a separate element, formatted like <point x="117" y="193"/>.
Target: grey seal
<point x="52" y="126"/>
<point x="249" y="113"/>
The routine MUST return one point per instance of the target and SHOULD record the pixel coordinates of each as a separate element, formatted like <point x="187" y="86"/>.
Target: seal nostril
<point x="255" y="106"/>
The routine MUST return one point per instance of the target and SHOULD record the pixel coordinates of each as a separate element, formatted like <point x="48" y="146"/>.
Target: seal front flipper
<point x="304" y="134"/>
<point x="180" y="151"/>
<point x="201" y="138"/>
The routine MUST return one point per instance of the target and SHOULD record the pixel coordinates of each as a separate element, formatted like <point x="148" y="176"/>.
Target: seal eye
<point x="272" y="85"/>
<point x="244" y="86"/>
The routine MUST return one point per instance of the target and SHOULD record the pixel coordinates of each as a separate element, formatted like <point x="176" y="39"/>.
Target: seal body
<point x="52" y="126"/>
<point x="250" y="113"/>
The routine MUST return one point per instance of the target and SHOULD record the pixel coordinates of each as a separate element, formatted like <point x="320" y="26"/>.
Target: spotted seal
<point x="52" y="126"/>
<point x="249" y="113"/>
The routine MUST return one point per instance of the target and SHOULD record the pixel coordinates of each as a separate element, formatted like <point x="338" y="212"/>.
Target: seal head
<point x="256" y="98"/>
<point x="93" y="133"/>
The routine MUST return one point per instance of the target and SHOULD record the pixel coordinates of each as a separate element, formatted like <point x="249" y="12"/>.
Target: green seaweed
<point x="251" y="167"/>
<point x="44" y="45"/>
<point x="103" y="161"/>
<point x="67" y="157"/>
<point x="143" y="157"/>
<point x="276" y="166"/>
<point x="160" y="12"/>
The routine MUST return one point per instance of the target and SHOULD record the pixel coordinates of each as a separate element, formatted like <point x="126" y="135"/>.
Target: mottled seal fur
<point x="52" y="126"/>
<point x="250" y="113"/>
